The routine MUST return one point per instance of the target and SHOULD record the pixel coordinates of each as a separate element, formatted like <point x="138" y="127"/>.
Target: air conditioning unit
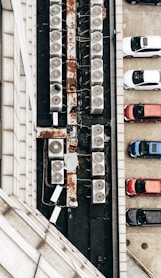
<point x="97" y="99"/>
<point x="56" y="194"/>
<point x="55" y="148"/>
<point x="56" y="43"/>
<point x="56" y="69"/>
<point x="55" y="214"/>
<point x="98" y="191"/>
<point x="95" y="2"/>
<point x="56" y="97"/>
<point x="96" y="44"/>
<point x="55" y="17"/>
<point x="97" y="136"/>
<point x="96" y="18"/>
<point x="97" y="70"/>
<point x="98" y="164"/>
<point x="55" y="2"/>
<point x="57" y="172"/>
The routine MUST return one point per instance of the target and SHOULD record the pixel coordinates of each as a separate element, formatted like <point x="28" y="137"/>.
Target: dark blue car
<point x="145" y="149"/>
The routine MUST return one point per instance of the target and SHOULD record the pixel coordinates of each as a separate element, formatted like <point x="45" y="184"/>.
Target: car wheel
<point x="128" y="56"/>
<point x="133" y="2"/>
<point x="156" y="89"/>
<point x="155" y="56"/>
<point x="158" y="4"/>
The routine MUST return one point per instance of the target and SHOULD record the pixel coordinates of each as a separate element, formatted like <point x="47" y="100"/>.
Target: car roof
<point x="152" y="110"/>
<point x="155" y="147"/>
<point x="151" y="42"/>
<point x="153" y="186"/>
<point x="151" y="76"/>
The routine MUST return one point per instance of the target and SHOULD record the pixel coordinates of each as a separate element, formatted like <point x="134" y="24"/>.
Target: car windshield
<point x="138" y="111"/>
<point x="138" y="76"/>
<point x="144" y="148"/>
<point x="141" y="217"/>
<point x="140" y="186"/>
<point x="135" y="43"/>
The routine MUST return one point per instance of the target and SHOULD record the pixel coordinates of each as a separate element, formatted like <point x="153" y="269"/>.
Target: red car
<point x="143" y="187"/>
<point x="142" y="112"/>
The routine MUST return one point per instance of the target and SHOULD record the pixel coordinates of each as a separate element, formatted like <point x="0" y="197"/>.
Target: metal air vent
<point x="96" y="18"/>
<point x="55" y="148"/>
<point x="56" y="16"/>
<point x="98" y="191"/>
<point x="55" y="36"/>
<point x="96" y="11"/>
<point x="97" y="137"/>
<point x="96" y="44"/>
<point x="56" y="69"/>
<point x="97" y="157"/>
<point x="97" y="99"/>
<point x="57" y="172"/>
<point x="56" y="48"/>
<point x="97" y="90"/>
<point x="95" y="2"/>
<point x="98" y="164"/>
<point x="56" y="97"/>
<point x="55" y="43"/>
<point x="55" y="88"/>
<point x="97" y="63"/>
<point x="96" y="70"/>
<point x="98" y="185"/>
<point x="96" y="36"/>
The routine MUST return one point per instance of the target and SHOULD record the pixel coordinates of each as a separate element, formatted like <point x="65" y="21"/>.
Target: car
<point x="142" y="112"/>
<point x="142" y="46"/>
<point x="143" y="187"/>
<point x="142" y="80"/>
<point x="143" y="217"/>
<point x="148" y="2"/>
<point x="145" y="149"/>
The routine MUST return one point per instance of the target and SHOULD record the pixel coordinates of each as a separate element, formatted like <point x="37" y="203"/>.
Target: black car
<point x="143" y="217"/>
<point x="148" y="2"/>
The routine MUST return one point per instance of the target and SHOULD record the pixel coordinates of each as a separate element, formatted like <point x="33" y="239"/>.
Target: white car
<point x="142" y="46"/>
<point x="142" y="80"/>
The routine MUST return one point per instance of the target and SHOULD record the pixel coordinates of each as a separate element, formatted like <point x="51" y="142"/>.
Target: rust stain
<point x="71" y="6"/>
<point x="104" y="12"/>
<point x="71" y="75"/>
<point x="52" y="133"/>
<point x="70" y="183"/>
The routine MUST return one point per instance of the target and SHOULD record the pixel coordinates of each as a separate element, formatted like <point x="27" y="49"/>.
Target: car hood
<point x="128" y="112"/>
<point x="128" y="78"/>
<point x="130" y="186"/>
<point x="134" y="148"/>
<point x="131" y="216"/>
<point x="127" y="46"/>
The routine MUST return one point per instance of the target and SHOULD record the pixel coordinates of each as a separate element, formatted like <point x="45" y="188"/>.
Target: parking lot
<point x="143" y="20"/>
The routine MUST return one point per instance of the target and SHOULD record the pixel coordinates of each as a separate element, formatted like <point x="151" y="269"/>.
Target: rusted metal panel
<point x="71" y="29"/>
<point x="42" y="132"/>
<point x="71" y="75"/>
<point x="72" y="108"/>
<point x="71" y="44"/>
<point x="71" y="196"/>
<point x="71" y="14"/>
